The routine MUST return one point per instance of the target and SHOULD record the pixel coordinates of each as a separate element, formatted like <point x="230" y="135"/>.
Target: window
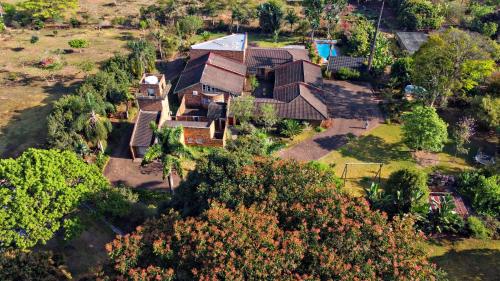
<point x="199" y="141"/>
<point x="190" y="140"/>
<point x="151" y="92"/>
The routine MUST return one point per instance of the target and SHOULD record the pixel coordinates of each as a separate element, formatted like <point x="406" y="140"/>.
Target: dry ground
<point x="26" y="92"/>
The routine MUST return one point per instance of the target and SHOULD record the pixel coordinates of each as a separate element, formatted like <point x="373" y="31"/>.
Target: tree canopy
<point x="37" y="190"/>
<point x="423" y="129"/>
<point x="259" y="218"/>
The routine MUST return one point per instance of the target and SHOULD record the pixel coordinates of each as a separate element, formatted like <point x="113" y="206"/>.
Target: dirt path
<point x="349" y="106"/>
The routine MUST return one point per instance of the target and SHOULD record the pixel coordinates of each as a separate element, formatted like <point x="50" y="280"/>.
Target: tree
<point x="462" y="133"/>
<point x="408" y="192"/>
<point x="48" y="9"/>
<point x="313" y="10"/>
<point x="420" y="14"/>
<point x="358" y="38"/>
<point x="93" y="122"/>
<point x="212" y="8"/>
<point x="264" y="219"/>
<point x="332" y="11"/>
<point x="189" y="25"/>
<point x="169" y="150"/>
<point x="424" y="130"/>
<point x="401" y="71"/>
<point x="142" y="57"/>
<point x="38" y="190"/>
<point x="292" y="18"/>
<point x="270" y="16"/>
<point x="452" y="62"/>
<point x="242" y="108"/>
<point x="21" y="265"/>
<point x="382" y="56"/>
<point x="241" y="12"/>
<point x="488" y="110"/>
<point x="268" y="116"/>
<point x="79" y="44"/>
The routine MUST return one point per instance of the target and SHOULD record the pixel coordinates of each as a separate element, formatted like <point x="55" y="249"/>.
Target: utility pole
<point x="372" y="51"/>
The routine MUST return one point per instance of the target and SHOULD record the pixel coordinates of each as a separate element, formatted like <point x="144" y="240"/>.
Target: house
<point x="205" y="89"/>
<point x="298" y="93"/>
<point x="261" y="62"/>
<point x="216" y="73"/>
<point x="153" y="107"/>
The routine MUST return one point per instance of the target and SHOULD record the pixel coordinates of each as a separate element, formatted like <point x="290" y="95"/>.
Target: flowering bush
<point x="274" y="220"/>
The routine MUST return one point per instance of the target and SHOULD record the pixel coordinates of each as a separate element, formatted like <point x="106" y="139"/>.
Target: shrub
<point x="319" y="129"/>
<point x="401" y="70"/>
<point x="2" y="25"/>
<point x="78" y="43"/>
<point x="73" y="227"/>
<point x="346" y="73"/>
<point x="408" y="191"/>
<point x="290" y="128"/>
<point x="117" y="202"/>
<point x="74" y="22"/>
<point x="482" y="191"/>
<point x="477" y="228"/>
<point x="420" y="14"/>
<point x="34" y="39"/>
<point x="38" y="24"/>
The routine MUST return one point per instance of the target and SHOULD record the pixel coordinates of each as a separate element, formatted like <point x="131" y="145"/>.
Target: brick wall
<point x="234" y="55"/>
<point x="160" y="89"/>
<point x="202" y="137"/>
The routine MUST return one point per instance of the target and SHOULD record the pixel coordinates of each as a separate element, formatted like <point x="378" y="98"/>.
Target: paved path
<point x="122" y="170"/>
<point x="349" y="105"/>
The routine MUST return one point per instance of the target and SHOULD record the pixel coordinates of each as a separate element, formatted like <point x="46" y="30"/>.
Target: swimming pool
<point x="323" y="47"/>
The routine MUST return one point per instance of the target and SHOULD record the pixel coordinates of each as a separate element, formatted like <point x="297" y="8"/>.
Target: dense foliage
<point x="18" y="265"/>
<point x="423" y="129"/>
<point x="270" y="16"/>
<point x="482" y="190"/>
<point x="420" y="14"/>
<point x="37" y="190"/>
<point x="274" y="220"/>
<point x="408" y="192"/>
<point x="452" y="63"/>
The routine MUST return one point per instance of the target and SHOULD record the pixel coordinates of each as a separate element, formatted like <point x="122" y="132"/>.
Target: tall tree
<point x="452" y="62"/>
<point x="313" y="10"/>
<point x="93" y="122"/>
<point x="142" y="57"/>
<point x="316" y="231"/>
<point x="332" y="11"/>
<point x="22" y="265"/>
<point x="38" y="190"/>
<point x="169" y="150"/>
<point x="423" y="129"/>
<point x="292" y="18"/>
<point x="270" y="16"/>
<point x="462" y="134"/>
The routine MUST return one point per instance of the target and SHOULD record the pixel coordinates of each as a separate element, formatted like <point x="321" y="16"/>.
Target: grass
<point x="267" y="41"/>
<point x="85" y="253"/>
<point x="27" y="92"/>
<point x="382" y="145"/>
<point x="466" y="259"/>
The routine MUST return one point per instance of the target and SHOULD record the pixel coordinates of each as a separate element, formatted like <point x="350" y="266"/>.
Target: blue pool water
<point x="324" y="50"/>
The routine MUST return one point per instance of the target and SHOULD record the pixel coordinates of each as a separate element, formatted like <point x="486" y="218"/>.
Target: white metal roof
<point x="233" y="42"/>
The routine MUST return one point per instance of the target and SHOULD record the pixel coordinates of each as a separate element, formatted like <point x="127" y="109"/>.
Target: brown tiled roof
<point x="336" y="63"/>
<point x="142" y="134"/>
<point x="213" y="70"/>
<point x="149" y="104"/>
<point x="297" y="101"/>
<point x="298" y="71"/>
<point x="273" y="57"/>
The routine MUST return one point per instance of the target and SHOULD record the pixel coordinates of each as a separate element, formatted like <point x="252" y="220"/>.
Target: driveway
<point x="349" y="105"/>
<point x="121" y="169"/>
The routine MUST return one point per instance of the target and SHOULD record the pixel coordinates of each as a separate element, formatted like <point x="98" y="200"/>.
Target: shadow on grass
<point x="375" y="149"/>
<point x="28" y="127"/>
<point x="480" y="264"/>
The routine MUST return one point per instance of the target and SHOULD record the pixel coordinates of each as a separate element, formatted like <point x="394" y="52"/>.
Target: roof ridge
<point x="310" y="96"/>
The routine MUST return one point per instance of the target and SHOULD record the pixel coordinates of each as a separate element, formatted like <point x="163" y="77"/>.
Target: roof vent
<point x="151" y="80"/>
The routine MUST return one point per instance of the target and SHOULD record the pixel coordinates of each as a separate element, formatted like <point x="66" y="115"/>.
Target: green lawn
<point x="383" y="145"/>
<point x="466" y="259"/>
<point x="267" y="41"/>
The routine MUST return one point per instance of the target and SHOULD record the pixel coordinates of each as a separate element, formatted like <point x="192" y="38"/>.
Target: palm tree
<point x="169" y="150"/>
<point x="93" y="123"/>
